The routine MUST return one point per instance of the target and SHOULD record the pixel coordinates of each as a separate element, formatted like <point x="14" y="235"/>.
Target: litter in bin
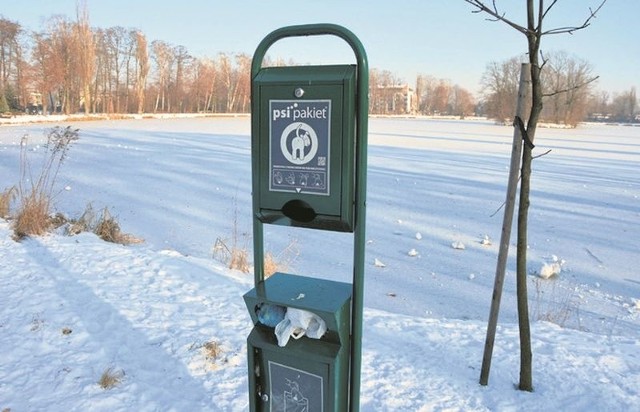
<point x="298" y="323"/>
<point x="270" y="315"/>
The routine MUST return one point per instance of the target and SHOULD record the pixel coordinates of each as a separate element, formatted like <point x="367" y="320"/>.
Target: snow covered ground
<point x="73" y="307"/>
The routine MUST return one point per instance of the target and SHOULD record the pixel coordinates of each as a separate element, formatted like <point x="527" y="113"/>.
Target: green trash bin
<point x="306" y="374"/>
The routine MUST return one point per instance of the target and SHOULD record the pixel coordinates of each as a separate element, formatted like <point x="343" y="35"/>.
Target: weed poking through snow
<point x="36" y="189"/>
<point x="111" y="378"/>
<point x="6" y="198"/>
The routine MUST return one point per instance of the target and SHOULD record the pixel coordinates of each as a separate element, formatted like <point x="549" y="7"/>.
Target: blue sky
<point x="442" y="38"/>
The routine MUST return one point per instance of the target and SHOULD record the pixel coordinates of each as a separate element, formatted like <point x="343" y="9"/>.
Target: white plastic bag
<point x="298" y="323"/>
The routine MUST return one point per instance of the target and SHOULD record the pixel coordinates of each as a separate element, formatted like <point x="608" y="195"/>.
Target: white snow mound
<point x="550" y="269"/>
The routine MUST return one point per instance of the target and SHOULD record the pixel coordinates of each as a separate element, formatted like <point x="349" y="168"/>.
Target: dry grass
<point x="37" y="323"/>
<point x="234" y="257"/>
<point x="240" y="260"/>
<point x="84" y="223"/>
<point x="32" y="217"/>
<point x="281" y="261"/>
<point x="271" y="266"/>
<point x="111" y="378"/>
<point x="556" y="304"/>
<point x="212" y="351"/>
<point x="35" y="190"/>
<point x="6" y="198"/>
<point x="108" y="229"/>
<point x="213" y="354"/>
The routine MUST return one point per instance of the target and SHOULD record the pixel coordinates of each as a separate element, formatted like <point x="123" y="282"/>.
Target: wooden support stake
<point x="514" y="171"/>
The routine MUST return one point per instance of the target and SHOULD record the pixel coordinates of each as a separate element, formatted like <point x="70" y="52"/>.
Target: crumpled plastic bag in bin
<point x="298" y="323"/>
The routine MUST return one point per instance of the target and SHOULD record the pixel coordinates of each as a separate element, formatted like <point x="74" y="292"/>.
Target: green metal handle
<point x="311" y="30"/>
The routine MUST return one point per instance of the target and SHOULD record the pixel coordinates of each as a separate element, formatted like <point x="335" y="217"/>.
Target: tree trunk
<point x="526" y="381"/>
<point x="533" y="39"/>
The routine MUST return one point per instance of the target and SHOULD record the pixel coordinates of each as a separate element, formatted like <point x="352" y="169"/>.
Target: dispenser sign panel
<point x="294" y="390"/>
<point x="299" y="140"/>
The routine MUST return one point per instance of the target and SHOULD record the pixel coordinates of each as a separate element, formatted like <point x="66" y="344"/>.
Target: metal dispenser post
<point x="309" y="162"/>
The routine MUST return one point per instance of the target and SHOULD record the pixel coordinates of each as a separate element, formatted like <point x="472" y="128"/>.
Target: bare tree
<point x="200" y="84"/>
<point x="207" y="83"/>
<point x="102" y="87"/>
<point x="115" y="69"/>
<point x="182" y="58"/>
<point x="462" y="102"/>
<point x="625" y="106"/>
<point x="116" y="39"/>
<point x="424" y="87"/>
<point x="60" y="42"/>
<point x="85" y="50"/>
<point x="385" y="92"/>
<point x="441" y="97"/>
<point x="142" y="68"/>
<point x="23" y="73"/>
<point x="42" y="56"/>
<point x="500" y="88"/>
<point x="598" y="105"/>
<point x="243" y="62"/>
<point x="163" y="57"/>
<point x="128" y="51"/>
<point x="229" y="80"/>
<point x="567" y="82"/>
<point x="534" y="32"/>
<point x="9" y="49"/>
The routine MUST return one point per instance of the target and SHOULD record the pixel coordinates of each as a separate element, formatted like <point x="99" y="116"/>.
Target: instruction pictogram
<point x="299" y="138"/>
<point x="294" y="390"/>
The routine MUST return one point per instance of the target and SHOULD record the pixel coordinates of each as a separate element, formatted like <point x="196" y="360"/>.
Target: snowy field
<point x="72" y="307"/>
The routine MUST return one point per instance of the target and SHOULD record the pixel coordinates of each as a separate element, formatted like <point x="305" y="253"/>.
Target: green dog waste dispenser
<point x="308" y="149"/>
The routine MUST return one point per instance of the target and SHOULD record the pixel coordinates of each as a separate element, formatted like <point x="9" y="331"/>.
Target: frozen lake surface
<point x="181" y="184"/>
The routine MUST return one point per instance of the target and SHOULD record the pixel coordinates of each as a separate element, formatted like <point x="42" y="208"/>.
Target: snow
<point x="74" y="306"/>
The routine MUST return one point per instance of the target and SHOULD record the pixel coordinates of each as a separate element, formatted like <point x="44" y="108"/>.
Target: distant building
<point x="399" y="99"/>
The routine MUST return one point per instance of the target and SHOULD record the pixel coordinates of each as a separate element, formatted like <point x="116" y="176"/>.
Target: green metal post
<point x="362" y="110"/>
<point x="362" y="117"/>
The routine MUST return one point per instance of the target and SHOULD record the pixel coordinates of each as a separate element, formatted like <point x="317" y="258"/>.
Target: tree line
<point x="568" y="92"/>
<point x="71" y="67"/>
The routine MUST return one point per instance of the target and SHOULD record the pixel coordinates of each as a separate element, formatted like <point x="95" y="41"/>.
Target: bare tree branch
<point x="497" y="16"/>
<point x="553" y="3"/>
<point x="541" y="154"/>
<point x="572" y="29"/>
<point x="568" y="89"/>
<point x="544" y="60"/>
<point x="542" y="13"/>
